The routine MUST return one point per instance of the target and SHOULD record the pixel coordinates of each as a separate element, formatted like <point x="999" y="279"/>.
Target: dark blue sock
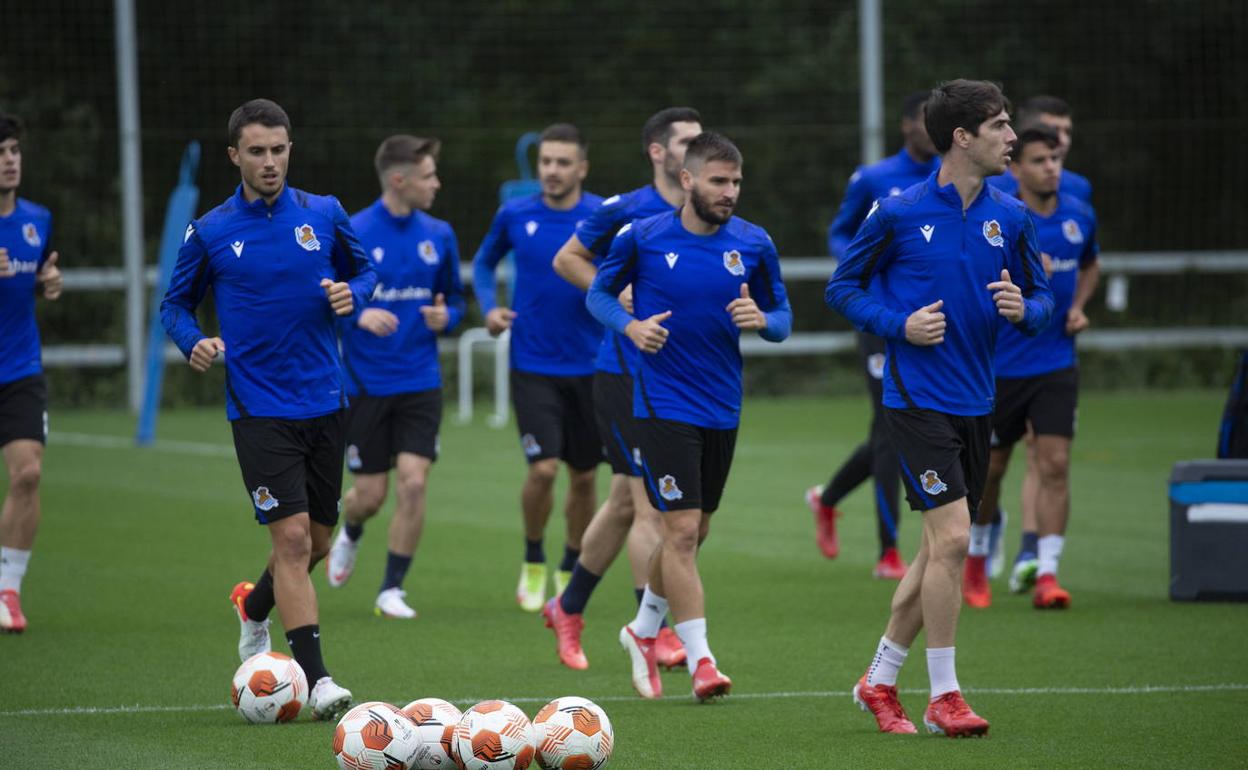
<point x="396" y="570"/>
<point x="534" y="553"/>
<point x="570" y="555"/>
<point x="1030" y="544"/>
<point x="996" y="517"/>
<point x="354" y="531"/>
<point x="580" y="588"/>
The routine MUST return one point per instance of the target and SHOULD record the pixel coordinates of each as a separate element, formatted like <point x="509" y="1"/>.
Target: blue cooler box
<point x="1209" y="531"/>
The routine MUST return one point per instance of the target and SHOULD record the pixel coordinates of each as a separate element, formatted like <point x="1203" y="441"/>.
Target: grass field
<point x="132" y="640"/>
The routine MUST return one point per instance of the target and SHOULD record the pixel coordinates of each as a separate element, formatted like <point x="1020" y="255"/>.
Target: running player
<point x="282" y="265"/>
<point x="553" y="343"/>
<point x="944" y="249"/>
<point x="27" y="269"/>
<point x="874" y="458"/>
<point x="699" y="275"/>
<point x="1037" y="377"/>
<point x="391" y="357"/>
<point x="664" y="138"/>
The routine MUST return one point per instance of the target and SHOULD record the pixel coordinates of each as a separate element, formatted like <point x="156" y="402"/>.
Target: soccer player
<point x="875" y="457"/>
<point x="27" y="268"/>
<point x="664" y="139"/>
<point x="1056" y="114"/>
<point x="283" y="264"/>
<point x="391" y="358"/>
<point x="553" y="343"/>
<point x="699" y="276"/>
<point x="946" y="253"/>
<point x="1037" y="377"/>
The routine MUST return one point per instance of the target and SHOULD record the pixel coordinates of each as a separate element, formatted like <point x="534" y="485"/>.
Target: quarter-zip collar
<point x="258" y="206"/>
<point x="949" y="193"/>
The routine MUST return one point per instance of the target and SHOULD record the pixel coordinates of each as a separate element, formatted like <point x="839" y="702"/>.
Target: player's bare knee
<point x="292" y="544"/>
<point x="412" y="487"/>
<point x="582" y="482"/>
<point x="544" y="471"/>
<point x="1053" y="466"/>
<point x="25" y="475"/>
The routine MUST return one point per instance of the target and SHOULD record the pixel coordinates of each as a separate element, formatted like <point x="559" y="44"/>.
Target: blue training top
<point x="265" y="265"/>
<point x="924" y="248"/>
<point x="416" y="257"/>
<point x="552" y="332"/>
<point x="868" y="184"/>
<point x="26" y="233"/>
<point x="696" y="377"/>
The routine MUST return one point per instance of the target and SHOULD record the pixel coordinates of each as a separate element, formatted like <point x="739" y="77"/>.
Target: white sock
<point x="887" y="663"/>
<point x="1050" y="553"/>
<point x="650" y="614"/>
<point x="12" y="568"/>
<point x="941" y="671"/>
<point x="692" y="634"/>
<point x="979" y="539"/>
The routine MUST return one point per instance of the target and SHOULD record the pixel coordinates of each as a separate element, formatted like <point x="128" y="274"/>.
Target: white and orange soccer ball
<point x="376" y="736"/>
<point x="493" y="735"/>
<point x="435" y="720"/>
<point x="573" y="734"/>
<point x="269" y="687"/>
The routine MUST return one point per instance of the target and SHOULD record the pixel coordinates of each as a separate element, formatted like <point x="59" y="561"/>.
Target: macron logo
<point x="530" y="227"/>
<point x="671" y="258"/>
<point x="927" y="231"/>
<point x="238" y="248"/>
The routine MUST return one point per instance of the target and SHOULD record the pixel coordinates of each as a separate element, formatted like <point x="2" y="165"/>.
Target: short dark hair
<point x="709" y="146"/>
<point x="963" y="104"/>
<point x="263" y="111"/>
<point x="1031" y="133"/>
<point x="564" y="132"/>
<point x="1036" y="106"/>
<point x="912" y="106"/>
<point x="405" y="149"/>
<point x="659" y="126"/>
<point x="10" y="127"/>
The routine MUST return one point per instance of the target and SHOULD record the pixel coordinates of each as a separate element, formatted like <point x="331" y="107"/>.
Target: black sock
<point x="570" y="555"/>
<point x="354" y="531"/>
<point x="996" y="517"/>
<point x="259" y="603"/>
<point x="305" y="647"/>
<point x="396" y="570"/>
<point x="580" y="588"/>
<point x="534" y="553"/>
<point x="855" y="470"/>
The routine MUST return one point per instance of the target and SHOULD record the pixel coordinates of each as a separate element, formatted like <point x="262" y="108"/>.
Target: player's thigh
<point x="718" y="447"/>
<point x="271" y="456"/>
<point x="1011" y="409"/>
<point x="930" y="453"/>
<point x="613" y="409"/>
<point x="416" y="420"/>
<point x="24" y="411"/>
<point x="539" y="415"/>
<point x="368" y="434"/>
<point x="1054" y="408"/>
<point x="582" y="445"/>
<point x="324" y="438"/>
<point x="671" y="454"/>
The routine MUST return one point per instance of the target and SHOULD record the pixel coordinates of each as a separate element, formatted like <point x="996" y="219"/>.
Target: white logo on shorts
<point x="668" y="489"/>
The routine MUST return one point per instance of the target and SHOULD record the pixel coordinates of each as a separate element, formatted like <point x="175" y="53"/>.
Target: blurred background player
<point x="27" y="269"/>
<point x="943" y="249"/>
<point x="285" y="397"/>
<point x="391" y="359"/>
<point x="695" y="273"/>
<point x="874" y="458"/>
<point x="553" y="343"/>
<point x="1056" y="114"/>
<point x="664" y="139"/>
<point x="1037" y="377"/>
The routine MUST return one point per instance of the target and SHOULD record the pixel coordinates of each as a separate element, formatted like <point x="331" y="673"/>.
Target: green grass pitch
<point x="132" y="641"/>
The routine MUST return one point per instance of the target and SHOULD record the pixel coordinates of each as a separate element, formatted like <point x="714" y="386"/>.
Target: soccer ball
<point x="494" y="735"/>
<point x="376" y="736"/>
<point x="573" y="734"/>
<point x="435" y="720"/>
<point x="269" y="687"/>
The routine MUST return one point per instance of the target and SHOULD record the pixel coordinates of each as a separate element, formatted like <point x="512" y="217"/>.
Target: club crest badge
<point x="1070" y="229"/>
<point x="875" y="365"/>
<point x="530" y="445"/>
<point x="305" y="236"/>
<point x="932" y="483"/>
<point x="31" y="234"/>
<point x="733" y="263"/>
<point x="263" y="499"/>
<point x="428" y="252"/>
<point x="668" y="489"/>
<point x="992" y="233"/>
<point x="353" y="458"/>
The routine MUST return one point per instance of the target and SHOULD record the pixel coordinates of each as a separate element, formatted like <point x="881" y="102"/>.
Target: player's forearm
<point x="456" y="307"/>
<point x="1037" y="310"/>
<point x="484" y="284"/>
<point x="779" y="324"/>
<point x="607" y="309"/>
<point x="181" y="326"/>
<point x="864" y="311"/>
<point x="575" y="264"/>
<point x="1085" y="286"/>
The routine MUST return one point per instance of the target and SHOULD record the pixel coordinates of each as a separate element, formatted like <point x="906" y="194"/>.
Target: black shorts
<point x="380" y="427"/>
<point x="556" y="418"/>
<point x="613" y="406"/>
<point x="685" y="466"/>
<point x="1047" y="401"/>
<point x="943" y="456"/>
<point x="24" y="410"/>
<point x="292" y="466"/>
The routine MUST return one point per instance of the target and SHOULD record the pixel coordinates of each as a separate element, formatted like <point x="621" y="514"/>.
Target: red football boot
<point x="668" y="651"/>
<point x="567" y="630"/>
<point x="890" y="566"/>
<point x="1049" y="595"/>
<point x="825" y="523"/>
<point x="949" y="715"/>
<point x="708" y="682"/>
<point x="881" y="702"/>
<point x="975" y="588"/>
<point x="12" y="621"/>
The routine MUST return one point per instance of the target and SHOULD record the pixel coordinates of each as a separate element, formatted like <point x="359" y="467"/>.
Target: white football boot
<point x="253" y="636"/>
<point x="328" y="700"/>
<point x="341" y="561"/>
<point x="390" y="604"/>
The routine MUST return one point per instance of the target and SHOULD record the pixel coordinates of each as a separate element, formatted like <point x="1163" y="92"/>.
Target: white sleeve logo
<point x="874" y="206"/>
<point x="190" y="230"/>
<point x="625" y="229"/>
<point x="612" y="199"/>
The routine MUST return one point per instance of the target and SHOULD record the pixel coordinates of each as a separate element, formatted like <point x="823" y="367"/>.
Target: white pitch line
<point x="107" y="441"/>
<point x="1147" y="689"/>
